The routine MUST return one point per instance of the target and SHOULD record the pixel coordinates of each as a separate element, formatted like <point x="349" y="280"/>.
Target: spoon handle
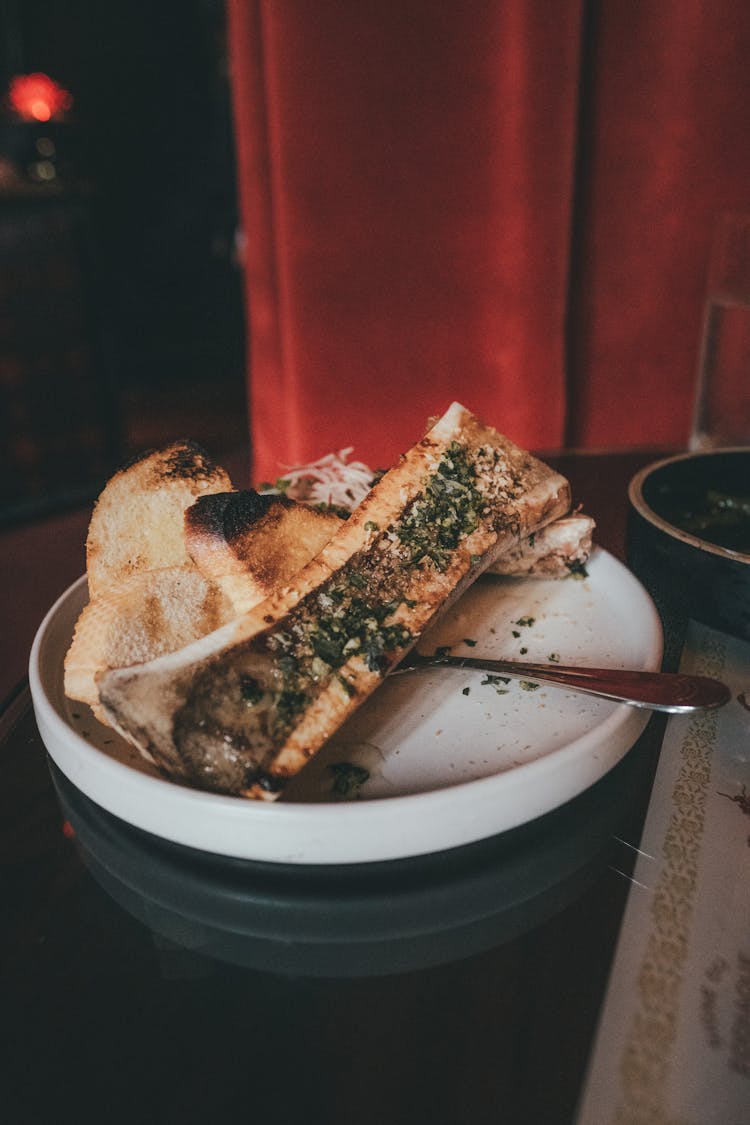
<point x="659" y="691"/>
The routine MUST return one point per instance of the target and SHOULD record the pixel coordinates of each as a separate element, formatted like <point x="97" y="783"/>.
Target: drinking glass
<point x="722" y="403"/>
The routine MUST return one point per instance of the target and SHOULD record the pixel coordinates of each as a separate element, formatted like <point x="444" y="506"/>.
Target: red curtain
<point x="507" y="202"/>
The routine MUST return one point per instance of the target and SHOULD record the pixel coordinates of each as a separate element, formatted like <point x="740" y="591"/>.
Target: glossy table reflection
<point x="145" y="982"/>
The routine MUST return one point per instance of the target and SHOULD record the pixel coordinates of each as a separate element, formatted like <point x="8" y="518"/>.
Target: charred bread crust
<point x="242" y="710"/>
<point x="251" y="544"/>
<point x="226" y="515"/>
<point x="137" y="521"/>
<point x="181" y="458"/>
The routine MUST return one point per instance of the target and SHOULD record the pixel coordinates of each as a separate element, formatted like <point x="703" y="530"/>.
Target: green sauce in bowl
<point x="719" y="517"/>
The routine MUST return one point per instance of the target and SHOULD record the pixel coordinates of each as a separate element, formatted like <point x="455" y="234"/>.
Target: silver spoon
<point x="659" y="691"/>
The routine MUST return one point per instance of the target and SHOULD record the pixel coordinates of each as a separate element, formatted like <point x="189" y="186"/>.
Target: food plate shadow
<point x="360" y="920"/>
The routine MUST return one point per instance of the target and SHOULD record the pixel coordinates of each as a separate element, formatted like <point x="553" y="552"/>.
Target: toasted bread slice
<point x="137" y="522"/>
<point x="148" y="614"/>
<point x="561" y="548"/>
<point x="243" y="709"/>
<point x="251" y="545"/>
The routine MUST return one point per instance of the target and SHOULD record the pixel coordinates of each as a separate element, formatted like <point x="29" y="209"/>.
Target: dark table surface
<point x="144" y="982"/>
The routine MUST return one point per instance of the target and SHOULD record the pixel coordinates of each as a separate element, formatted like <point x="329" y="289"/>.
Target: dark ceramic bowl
<point x="689" y="538"/>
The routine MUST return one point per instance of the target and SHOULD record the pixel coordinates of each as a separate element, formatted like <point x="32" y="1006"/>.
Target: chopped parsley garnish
<point x="334" y="623"/>
<point x="355" y="626"/>
<point x="447" y="512"/>
<point x="332" y="509"/>
<point x="468" y="641"/>
<point x="527" y="685"/>
<point x="577" y="570"/>
<point x="347" y="778"/>
<point x="525" y="621"/>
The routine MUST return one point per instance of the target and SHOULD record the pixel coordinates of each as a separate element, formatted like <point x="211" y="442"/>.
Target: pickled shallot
<point x="333" y="481"/>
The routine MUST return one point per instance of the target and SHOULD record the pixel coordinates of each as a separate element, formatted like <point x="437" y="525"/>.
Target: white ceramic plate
<point x="447" y="757"/>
